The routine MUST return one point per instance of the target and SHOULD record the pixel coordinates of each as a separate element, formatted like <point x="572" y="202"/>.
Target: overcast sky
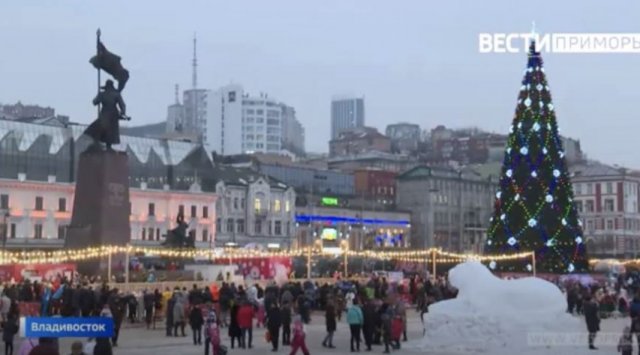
<point x="414" y="61"/>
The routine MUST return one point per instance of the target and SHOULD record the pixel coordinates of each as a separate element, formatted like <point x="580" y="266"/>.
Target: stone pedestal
<point x="101" y="206"/>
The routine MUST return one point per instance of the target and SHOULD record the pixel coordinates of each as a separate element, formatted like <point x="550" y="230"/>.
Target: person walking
<point x="299" y="337"/>
<point x="179" y="309"/>
<point x="592" y="318"/>
<point x="285" y="315"/>
<point x="330" y="323"/>
<point x="355" y="319"/>
<point x="625" y="344"/>
<point x="8" y="333"/>
<point x="169" y="315"/>
<point x="235" y="333"/>
<point x="274" y="322"/>
<point x="148" y="299"/>
<point x="369" y="325"/>
<point x="245" y="321"/>
<point x="196" y="321"/>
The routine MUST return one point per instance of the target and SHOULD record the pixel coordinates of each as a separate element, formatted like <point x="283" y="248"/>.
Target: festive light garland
<point x="79" y="255"/>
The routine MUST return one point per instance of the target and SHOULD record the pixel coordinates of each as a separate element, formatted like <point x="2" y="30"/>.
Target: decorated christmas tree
<point x="534" y="208"/>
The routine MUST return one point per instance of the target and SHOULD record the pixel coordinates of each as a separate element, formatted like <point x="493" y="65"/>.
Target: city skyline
<point x="412" y="66"/>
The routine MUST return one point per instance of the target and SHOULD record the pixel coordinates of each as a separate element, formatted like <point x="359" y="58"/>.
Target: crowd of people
<point x="375" y="311"/>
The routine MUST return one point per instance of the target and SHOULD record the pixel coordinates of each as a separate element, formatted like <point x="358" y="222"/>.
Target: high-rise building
<point x="224" y="120"/>
<point x="188" y="120"/>
<point x="239" y="123"/>
<point x="346" y="113"/>
<point x="175" y="115"/>
<point x="292" y="131"/>
<point x="195" y="112"/>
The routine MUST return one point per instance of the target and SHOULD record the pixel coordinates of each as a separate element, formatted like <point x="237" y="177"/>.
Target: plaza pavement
<point x="136" y="340"/>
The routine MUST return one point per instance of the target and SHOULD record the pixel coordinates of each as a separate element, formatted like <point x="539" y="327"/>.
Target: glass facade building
<point x="50" y="153"/>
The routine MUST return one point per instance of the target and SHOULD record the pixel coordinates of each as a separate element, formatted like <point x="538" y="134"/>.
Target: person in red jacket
<point x="245" y="322"/>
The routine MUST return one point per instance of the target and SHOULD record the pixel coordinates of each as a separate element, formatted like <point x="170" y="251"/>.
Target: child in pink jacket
<point x="298" y="341"/>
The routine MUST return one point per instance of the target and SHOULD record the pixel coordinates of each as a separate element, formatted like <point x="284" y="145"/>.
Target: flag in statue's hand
<point x="110" y="63"/>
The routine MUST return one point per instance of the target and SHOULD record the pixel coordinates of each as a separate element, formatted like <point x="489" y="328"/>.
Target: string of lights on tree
<point x="534" y="208"/>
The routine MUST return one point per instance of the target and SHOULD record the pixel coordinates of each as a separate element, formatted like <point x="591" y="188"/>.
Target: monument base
<point x="101" y="207"/>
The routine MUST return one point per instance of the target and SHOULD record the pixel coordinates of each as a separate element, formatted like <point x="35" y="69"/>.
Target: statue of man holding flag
<point x="112" y="109"/>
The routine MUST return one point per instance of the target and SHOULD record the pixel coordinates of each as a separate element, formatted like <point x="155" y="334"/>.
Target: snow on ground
<point x="496" y="316"/>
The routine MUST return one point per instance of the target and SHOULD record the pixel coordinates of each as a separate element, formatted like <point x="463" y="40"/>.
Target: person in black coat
<point x="330" y="323"/>
<point x="369" y="315"/>
<point x="285" y="315"/>
<point x="148" y="301"/>
<point x="274" y="321"/>
<point x="196" y="320"/>
<point x="8" y="333"/>
<point x="103" y="347"/>
<point x="592" y="318"/>
<point x="235" y="333"/>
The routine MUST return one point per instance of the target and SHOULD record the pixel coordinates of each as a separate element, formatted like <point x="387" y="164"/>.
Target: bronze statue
<point x="177" y="237"/>
<point x="106" y="128"/>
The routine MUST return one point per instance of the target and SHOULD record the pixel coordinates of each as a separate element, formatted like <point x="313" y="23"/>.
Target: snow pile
<point x="493" y="315"/>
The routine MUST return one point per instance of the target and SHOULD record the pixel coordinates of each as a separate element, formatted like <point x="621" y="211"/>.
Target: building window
<point x="589" y="189"/>
<point x="579" y="206"/>
<point x="218" y="225"/>
<point x="150" y="233"/>
<point x="278" y="228"/>
<point x="257" y="205"/>
<point x="578" y="188"/>
<point x="144" y="234"/>
<point x="152" y="209"/>
<point x="609" y="224"/>
<point x="258" y="227"/>
<point x="4" y="202"/>
<point x="590" y="225"/>
<point x="205" y="211"/>
<point x="609" y="188"/>
<point x="62" y="204"/>
<point x="37" y="231"/>
<point x="39" y="203"/>
<point x="287" y="206"/>
<point x="240" y="225"/>
<point x="194" y="211"/>
<point x="205" y="235"/>
<point x="181" y="210"/>
<point x="242" y="203"/>
<point x="157" y="233"/>
<point x="230" y="225"/>
<point x="235" y="203"/>
<point x="12" y="233"/>
<point x="62" y="231"/>
<point x="276" y="205"/>
<point x="608" y="205"/>
<point x="589" y="205"/>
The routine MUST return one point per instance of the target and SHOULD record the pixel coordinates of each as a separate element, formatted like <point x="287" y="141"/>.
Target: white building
<point x="253" y="208"/>
<point x="36" y="213"/>
<point x="238" y="123"/>
<point x="347" y="113"/>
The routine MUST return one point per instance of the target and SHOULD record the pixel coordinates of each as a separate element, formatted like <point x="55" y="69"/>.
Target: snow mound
<point x="492" y="315"/>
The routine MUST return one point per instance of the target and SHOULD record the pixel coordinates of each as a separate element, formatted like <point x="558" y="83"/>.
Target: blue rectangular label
<point x="58" y="327"/>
